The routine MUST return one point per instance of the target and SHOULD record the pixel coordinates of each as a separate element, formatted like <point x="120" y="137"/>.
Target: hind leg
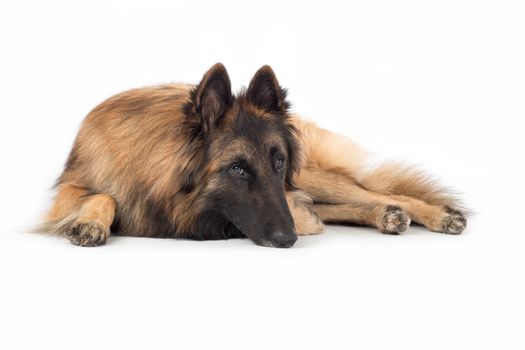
<point x="92" y="227"/>
<point x="83" y="218"/>
<point x="436" y="218"/>
<point x="346" y="201"/>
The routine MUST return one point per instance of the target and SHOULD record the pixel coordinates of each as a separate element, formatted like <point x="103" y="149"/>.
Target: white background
<point x="436" y="83"/>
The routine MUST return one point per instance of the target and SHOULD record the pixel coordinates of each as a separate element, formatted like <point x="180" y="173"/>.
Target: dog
<point x="198" y="162"/>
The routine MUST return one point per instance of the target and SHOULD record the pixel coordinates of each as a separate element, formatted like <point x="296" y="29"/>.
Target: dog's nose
<point x="280" y="239"/>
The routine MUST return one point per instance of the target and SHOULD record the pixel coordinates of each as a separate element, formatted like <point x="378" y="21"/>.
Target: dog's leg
<point x="390" y="219"/>
<point x="436" y="218"/>
<point x="306" y="221"/>
<point x="334" y="174"/>
<point x="83" y="218"/>
<point x="346" y="201"/>
<point x="92" y="227"/>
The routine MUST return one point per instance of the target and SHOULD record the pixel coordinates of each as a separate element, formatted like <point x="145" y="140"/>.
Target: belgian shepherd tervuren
<point x="197" y="162"/>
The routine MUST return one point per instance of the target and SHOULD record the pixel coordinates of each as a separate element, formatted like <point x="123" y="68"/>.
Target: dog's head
<point x="251" y="154"/>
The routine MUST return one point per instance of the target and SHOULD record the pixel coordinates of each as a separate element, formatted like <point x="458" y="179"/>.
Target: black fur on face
<point x="265" y="93"/>
<point x="249" y="155"/>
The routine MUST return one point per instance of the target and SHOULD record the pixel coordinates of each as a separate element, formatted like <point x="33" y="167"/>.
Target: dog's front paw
<point x="394" y="220"/>
<point x="306" y="221"/>
<point x="454" y="222"/>
<point x="87" y="234"/>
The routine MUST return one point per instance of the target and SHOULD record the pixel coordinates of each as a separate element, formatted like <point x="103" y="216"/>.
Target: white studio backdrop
<point x="439" y="84"/>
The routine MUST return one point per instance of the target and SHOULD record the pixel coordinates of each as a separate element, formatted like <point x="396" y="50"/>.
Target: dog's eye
<point x="279" y="163"/>
<point x="238" y="170"/>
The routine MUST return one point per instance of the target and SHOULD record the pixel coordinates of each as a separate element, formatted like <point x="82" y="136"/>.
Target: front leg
<point x="309" y="217"/>
<point x="306" y="221"/>
<point x="389" y="219"/>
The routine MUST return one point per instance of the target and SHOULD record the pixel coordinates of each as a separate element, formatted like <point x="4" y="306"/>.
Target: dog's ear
<point x="265" y="92"/>
<point x="213" y="96"/>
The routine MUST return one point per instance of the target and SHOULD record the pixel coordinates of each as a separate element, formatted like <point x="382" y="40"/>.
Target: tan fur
<point x="117" y="145"/>
<point x="335" y="175"/>
<point x="125" y="156"/>
<point x="307" y="221"/>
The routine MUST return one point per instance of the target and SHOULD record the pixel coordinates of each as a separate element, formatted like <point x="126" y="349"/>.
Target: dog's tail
<point x="394" y="178"/>
<point x="55" y="227"/>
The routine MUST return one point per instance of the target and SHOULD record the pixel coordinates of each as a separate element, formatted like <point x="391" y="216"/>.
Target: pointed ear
<point x="264" y="91"/>
<point x="213" y="96"/>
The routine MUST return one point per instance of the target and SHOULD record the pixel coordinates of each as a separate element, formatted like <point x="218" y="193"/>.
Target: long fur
<point x="395" y="178"/>
<point x="150" y="152"/>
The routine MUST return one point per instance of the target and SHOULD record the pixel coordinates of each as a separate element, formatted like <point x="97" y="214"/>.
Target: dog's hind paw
<point x="394" y="221"/>
<point x="87" y="234"/>
<point x="454" y="222"/>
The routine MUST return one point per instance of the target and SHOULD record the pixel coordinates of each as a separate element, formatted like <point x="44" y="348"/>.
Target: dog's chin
<point x="263" y="242"/>
<point x="266" y="242"/>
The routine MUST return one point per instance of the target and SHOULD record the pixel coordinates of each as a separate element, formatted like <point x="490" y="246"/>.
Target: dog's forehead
<point x="251" y="139"/>
<point x="248" y="146"/>
<point x="252" y="122"/>
<point x="256" y="129"/>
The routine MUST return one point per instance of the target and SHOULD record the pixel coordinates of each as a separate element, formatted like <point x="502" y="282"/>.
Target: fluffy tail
<point x="392" y="178"/>
<point x="56" y="227"/>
